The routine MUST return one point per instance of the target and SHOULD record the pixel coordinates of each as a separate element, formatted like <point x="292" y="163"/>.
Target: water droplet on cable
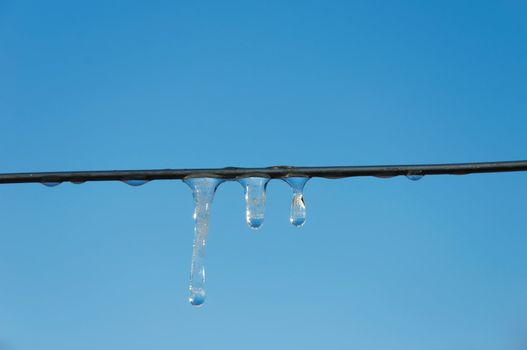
<point x="135" y="182"/>
<point x="51" y="183"/>
<point x="78" y="182"/>
<point x="254" y="199"/>
<point x="414" y="176"/>
<point x="384" y="176"/>
<point x="298" y="206"/>
<point x="203" y="190"/>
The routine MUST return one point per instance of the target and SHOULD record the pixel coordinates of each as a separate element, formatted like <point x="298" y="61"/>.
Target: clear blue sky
<point x="380" y="264"/>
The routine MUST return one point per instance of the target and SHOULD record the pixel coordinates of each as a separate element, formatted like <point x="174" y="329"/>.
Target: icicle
<point x="254" y="200"/>
<point x="203" y="190"/>
<point x="298" y="206"/>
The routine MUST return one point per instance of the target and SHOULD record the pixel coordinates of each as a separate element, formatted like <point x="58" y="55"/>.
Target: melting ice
<point x="254" y="200"/>
<point x="298" y="206"/>
<point x="203" y="190"/>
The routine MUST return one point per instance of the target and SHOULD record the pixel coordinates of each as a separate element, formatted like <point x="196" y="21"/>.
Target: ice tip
<point x="297" y="222"/>
<point x="197" y="298"/>
<point x="255" y="223"/>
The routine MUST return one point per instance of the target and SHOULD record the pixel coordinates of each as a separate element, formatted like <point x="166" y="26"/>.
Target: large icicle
<point x="203" y="190"/>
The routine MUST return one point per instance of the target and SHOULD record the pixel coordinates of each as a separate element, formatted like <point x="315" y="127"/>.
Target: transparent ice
<point x="298" y="206"/>
<point x="254" y="200"/>
<point x="203" y="190"/>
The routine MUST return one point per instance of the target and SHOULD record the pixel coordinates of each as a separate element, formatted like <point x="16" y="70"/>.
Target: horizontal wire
<point x="275" y="172"/>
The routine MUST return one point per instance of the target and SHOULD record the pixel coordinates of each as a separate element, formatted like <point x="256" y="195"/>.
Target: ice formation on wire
<point x="203" y="190"/>
<point x="255" y="188"/>
<point x="298" y="206"/>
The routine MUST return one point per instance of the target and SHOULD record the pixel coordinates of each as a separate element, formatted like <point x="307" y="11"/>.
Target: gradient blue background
<point x="380" y="264"/>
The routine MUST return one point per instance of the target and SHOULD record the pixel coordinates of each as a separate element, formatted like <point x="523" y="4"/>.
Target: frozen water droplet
<point x="203" y="190"/>
<point x="78" y="182"/>
<point x="298" y="206"/>
<point x="414" y="176"/>
<point x="51" y="183"/>
<point x="254" y="200"/>
<point x="135" y="182"/>
<point x="384" y="176"/>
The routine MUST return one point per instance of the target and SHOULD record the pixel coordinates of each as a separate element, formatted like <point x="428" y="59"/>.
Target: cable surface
<point x="275" y="172"/>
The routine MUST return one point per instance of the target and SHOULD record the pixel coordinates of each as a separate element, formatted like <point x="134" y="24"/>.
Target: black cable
<point x="272" y="172"/>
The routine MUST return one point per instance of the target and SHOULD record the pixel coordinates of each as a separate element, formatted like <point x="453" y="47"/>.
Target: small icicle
<point x="298" y="206"/>
<point x="203" y="190"/>
<point x="254" y="200"/>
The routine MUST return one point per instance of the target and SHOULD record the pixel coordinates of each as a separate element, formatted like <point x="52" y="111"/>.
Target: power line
<point x="274" y="172"/>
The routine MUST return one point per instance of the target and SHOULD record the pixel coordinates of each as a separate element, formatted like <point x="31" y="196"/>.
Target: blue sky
<point x="380" y="264"/>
